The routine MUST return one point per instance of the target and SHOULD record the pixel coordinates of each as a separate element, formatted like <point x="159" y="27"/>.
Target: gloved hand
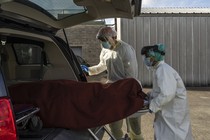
<point x="147" y="97"/>
<point x="150" y="111"/>
<point x="85" y="68"/>
<point x="146" y="103"/>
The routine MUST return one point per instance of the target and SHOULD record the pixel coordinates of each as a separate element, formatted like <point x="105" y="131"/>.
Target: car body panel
<point x="93" y="9"/>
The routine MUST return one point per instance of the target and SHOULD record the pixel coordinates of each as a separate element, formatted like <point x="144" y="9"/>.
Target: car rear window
<point x="28" y="53"/>
<point x="59" y="8"/>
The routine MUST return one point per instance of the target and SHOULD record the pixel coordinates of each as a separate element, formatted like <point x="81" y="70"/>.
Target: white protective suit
<point x="120" y="63"/>
<point x="170" y="105"/>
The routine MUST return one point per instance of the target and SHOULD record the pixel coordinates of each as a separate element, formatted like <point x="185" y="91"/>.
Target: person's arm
<point x="167" y="85"/>
<point x="94" y="70"/>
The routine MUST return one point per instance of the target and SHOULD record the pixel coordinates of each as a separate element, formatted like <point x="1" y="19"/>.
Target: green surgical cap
<point x="157" y="52"/>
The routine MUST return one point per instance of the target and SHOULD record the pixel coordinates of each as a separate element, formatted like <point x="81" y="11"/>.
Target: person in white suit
<point x="168" y="97"/>
<point x="119" y="59"/>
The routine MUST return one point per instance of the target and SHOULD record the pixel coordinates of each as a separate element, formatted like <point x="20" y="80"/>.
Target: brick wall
<point x="84" y="36"/>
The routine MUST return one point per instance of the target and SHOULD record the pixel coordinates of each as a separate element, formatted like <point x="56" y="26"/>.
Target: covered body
<point x="80" y="105"/>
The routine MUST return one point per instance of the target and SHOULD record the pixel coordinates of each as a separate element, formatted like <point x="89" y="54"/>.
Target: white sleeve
<point x="167" y="84"/>
<point x="100" y="67"/>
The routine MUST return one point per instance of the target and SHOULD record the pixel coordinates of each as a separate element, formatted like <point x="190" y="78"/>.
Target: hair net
<point x="106" y="32"/>
<point x="156" y="51"/>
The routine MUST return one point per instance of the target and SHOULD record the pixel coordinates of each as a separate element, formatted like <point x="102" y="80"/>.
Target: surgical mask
<point x="148" y="62"/>
<point x="106" y="45"/>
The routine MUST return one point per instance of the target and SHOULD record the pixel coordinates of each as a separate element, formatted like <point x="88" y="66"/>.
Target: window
<point x="60" y="8"/>
<point x="28" y="53"/>
<point x="77" y="50"/>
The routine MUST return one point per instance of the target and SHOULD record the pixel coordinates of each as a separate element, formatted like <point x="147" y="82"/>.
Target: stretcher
<point x="79" y="105"/>
<point x="23" y="112"/>
<point x="26" y="118"/>
<point x="139" y="113"/>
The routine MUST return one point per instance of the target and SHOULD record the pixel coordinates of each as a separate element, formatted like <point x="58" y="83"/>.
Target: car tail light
<point x="7" y="122"/>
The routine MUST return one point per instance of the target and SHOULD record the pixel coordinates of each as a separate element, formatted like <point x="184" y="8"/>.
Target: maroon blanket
<point x="80" y="105"/>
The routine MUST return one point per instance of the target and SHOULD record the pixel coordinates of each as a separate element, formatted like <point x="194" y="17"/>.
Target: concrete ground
<point x="199" y="102"/>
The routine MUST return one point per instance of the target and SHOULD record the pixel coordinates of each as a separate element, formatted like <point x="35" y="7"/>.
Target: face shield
<point x="106" y="45"/>
<point x="147" y="61"/>
<point x="156" y="51"/>
<point x="105" y="35"/>
<point x="104" y="42"/>
<point x="152" y="55"/>
<point x="106" y="32"/>
<point x="107" y="42"/>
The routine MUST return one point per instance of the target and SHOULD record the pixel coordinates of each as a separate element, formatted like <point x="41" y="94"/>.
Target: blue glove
<point x="146" y="103"/>
<point x="150" y="111"/>
<point x="85" y="68"/>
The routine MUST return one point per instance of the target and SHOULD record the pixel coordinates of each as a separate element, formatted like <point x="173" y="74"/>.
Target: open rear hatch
<point x="54" y="14"/>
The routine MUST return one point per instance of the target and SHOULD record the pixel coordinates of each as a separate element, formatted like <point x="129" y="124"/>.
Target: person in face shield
<point x="119" y="59"/>
<point x="168" y="98"/>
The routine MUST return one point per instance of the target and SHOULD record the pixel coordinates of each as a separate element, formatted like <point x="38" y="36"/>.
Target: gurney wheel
<point x="126" y="137"/>
<point x="35" y="123"/>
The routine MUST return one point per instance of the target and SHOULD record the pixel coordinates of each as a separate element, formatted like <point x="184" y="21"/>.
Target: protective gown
<point x="170" y="105"/>
<point x="120" y="63"/>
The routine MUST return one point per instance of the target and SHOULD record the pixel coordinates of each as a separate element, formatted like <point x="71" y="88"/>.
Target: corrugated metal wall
<point x="187" y="39"/>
